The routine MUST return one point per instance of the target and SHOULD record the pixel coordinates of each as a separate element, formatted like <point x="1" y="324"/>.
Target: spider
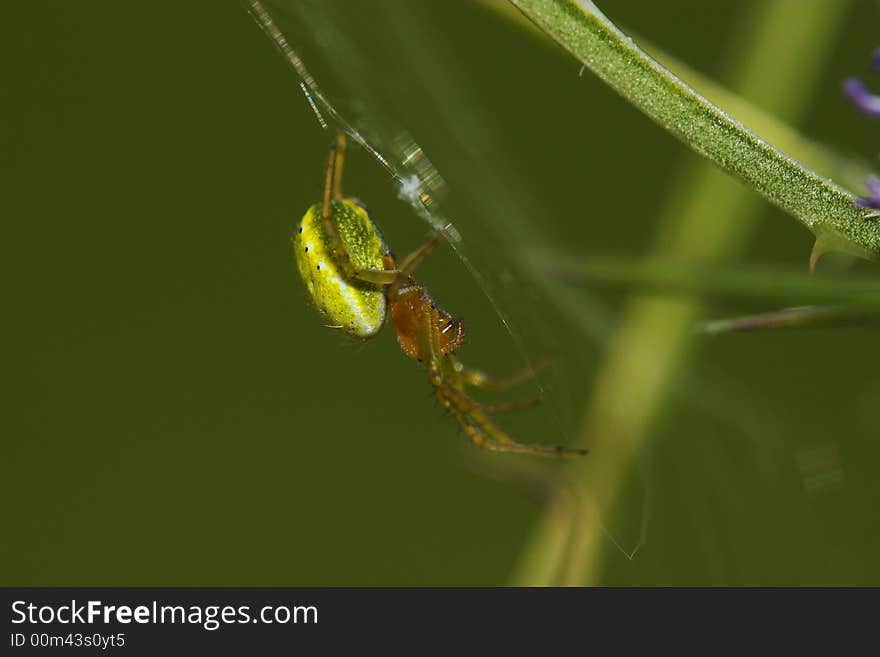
<point x="356" y="284"/>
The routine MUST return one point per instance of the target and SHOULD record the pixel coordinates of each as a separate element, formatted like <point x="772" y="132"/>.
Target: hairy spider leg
<point x="338" y="162"/>
<point x="480" y="379"/>
<point x="476" y="424"/>
<point x="477" y="414"/>
<point x="484" y="432"/>
<point x="409" y="263"/>
<point x="333" y="194"/>
<point x="392" y="275"/>
<point x="504" y="406"/>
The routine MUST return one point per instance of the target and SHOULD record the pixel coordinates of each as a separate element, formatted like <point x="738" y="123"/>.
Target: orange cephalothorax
<point x="412" y="308"/>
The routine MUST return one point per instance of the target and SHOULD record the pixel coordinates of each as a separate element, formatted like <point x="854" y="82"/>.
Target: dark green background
<point x="176" y="414"/>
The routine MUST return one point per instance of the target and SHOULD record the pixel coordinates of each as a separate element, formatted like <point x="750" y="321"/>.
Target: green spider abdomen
<point x="356" y="307"/>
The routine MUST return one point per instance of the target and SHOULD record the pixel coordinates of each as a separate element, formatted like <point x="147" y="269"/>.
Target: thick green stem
<point x="822" y="206"/>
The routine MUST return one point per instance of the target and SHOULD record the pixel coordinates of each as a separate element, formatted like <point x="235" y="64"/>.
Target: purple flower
<point x="873" y="200"/>
<point x="869" y="104"/>
<point x="860" y="95"/>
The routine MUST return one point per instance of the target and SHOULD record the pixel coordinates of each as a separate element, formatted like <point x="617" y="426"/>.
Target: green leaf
<point x="822" y="206"/>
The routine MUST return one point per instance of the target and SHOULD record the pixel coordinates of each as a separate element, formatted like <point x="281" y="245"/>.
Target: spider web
<point x="489" y="219"/>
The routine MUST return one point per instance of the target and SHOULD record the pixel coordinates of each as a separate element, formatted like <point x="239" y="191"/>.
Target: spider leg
<point x="510" y="445"/>
<point x="333" y="192"/>
<point x="479" y="379"/>
<point x="469" y="404"/>
<point x="476" y="424"/>
<point x="338" y="163"/>
<point x="413" y="260"/>
<point x="486" y="434"/>
<point x="471" y="410"/>
<point x="476" y="436"/>
<point x="513" y="405"/>
<point x="448" y="397"/>
<point x="456" y="403"/>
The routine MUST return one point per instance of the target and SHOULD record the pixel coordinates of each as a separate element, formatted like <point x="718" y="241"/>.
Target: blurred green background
<point x="175" y="412"/>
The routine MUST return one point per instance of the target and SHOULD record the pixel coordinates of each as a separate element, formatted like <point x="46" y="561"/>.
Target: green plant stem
<point x="789" y="318"/>
<point x="663" y="274"/>
<point x="825" y="208"/>
<point x="707" y="217"/>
